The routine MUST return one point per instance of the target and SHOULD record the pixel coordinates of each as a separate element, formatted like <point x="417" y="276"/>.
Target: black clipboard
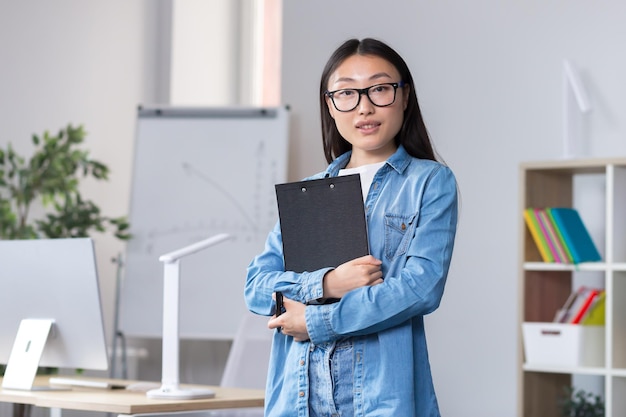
<point x="322" y="222"/>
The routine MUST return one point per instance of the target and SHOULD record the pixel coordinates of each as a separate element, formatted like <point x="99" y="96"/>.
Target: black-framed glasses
<point x="380" y="95"/>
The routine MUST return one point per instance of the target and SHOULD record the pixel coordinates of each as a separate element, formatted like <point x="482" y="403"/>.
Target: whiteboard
<point x="199" y="172"/>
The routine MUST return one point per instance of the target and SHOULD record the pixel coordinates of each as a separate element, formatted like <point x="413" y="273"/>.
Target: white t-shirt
<point x="366" y="172"/>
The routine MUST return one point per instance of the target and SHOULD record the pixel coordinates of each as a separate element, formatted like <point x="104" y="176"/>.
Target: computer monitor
<point x="53" y="279"/>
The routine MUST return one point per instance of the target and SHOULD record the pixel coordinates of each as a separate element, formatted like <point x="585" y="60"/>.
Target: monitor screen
<point x="53" y="279"/>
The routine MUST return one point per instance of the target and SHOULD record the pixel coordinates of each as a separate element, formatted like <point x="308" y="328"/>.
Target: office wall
<point x="195" y="24"/>
<point x="489" y="80"/>
<point x="89" y="63"/>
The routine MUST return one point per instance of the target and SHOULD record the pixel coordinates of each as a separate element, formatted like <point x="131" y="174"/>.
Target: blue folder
<point x="575" y="235"/>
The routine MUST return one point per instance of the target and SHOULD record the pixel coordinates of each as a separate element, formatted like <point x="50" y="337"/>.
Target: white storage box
<point x="557" y="344"/>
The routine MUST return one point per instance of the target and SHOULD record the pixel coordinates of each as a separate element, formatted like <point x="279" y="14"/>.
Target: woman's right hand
<point x="359" y="272"/>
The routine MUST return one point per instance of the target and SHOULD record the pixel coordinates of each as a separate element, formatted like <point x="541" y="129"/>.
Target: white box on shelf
<point x="558" y="344"/>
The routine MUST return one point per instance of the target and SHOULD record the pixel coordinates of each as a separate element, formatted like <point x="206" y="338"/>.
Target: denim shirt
<point x="411" y="211"/>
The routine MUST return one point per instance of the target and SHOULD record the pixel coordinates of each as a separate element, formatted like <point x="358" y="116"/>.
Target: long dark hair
<point x="413" y="134"/>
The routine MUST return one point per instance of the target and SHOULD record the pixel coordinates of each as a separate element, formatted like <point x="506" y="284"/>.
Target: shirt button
<point x="301" y="393"/>
<point x="301" y="362"/>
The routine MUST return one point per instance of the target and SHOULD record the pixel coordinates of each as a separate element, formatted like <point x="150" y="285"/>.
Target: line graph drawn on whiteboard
<point x="196" y="176"/>
<point x="242" y="210"/>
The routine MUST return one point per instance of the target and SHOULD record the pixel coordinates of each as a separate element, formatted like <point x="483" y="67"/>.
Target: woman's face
<point x="369" y="128"/>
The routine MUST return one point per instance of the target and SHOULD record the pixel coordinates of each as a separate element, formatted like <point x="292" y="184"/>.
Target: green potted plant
<point x="51" y="177"/>
<point x="580" y="403"/>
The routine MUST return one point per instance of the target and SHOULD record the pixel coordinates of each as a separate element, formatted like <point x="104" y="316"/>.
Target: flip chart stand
<point x="170" y="388"/>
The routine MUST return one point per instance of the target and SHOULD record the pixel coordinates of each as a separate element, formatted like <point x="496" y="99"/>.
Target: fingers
<point x="366" y="264"/>
<point x="274" y="323"/>
<point x="377" y="275"/>
<point x="372" y="272"/>
<point x="367" y="259"/>
<point x="292" y="322"/>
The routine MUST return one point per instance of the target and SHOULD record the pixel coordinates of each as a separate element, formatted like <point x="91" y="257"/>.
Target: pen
<point x="279" y="303"/>
<point x="279" y="306"/>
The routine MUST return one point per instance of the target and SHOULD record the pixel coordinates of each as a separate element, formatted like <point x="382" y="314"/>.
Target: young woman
<point x="366" y="354"/>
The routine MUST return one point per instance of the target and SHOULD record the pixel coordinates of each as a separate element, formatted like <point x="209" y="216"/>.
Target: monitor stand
<point x="26" y="353"/>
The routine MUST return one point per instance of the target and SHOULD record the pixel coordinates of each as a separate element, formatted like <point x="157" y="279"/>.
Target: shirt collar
<point x="398" y="161"/>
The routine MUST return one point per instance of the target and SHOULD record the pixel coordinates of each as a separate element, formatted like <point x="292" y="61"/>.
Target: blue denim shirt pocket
<point x="397" y="238"/>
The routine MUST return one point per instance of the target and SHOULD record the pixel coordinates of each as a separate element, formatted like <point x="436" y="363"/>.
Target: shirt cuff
<point x="312" y="287"/>
<point x="318" y="323"/>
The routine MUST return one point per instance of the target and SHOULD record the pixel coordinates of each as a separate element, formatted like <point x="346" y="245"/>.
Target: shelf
<point x="548" y="266"/>
<point x="566" y="370"/>
<point x="574" y="166"/>
<point x="597" y="189"/>
<point x="585" y="266"/>
<point x="618" y="373"/>
<point x="619" y="267"/>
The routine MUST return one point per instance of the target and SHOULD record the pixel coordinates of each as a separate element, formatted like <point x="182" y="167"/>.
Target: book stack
<point x="584" y="306"/>
<point x="561" y="235"/>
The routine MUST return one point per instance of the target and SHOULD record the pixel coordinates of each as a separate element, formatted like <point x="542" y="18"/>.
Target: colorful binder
<point x="595" y="315"/>
<point x="555" y="235"/>
<point x="578" y="305"/>
<point x="575" y="235"/>
<point x="568" y="254"/>
<point x="548" y="231"/>
<point x="586" y="303"/>
<point x="537" y="234"/>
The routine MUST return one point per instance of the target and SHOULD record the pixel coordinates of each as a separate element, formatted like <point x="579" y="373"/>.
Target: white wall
<point x="90" y="63"/>
<point x="202" y="67"/>
<point x="488" y="77"/>
<point x="217" y="52"/>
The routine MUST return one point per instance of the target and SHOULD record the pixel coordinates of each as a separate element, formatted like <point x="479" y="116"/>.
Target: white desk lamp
<point x="170" y="388"/>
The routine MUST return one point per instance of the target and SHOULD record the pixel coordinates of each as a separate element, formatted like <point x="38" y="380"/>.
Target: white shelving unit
<point x="597" y="188"/>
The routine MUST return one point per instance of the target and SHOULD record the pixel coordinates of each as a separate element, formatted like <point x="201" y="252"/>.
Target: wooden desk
<point x="125" y="402"/>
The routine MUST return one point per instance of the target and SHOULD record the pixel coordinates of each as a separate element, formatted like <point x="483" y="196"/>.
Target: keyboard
<point x="85" y="383"/>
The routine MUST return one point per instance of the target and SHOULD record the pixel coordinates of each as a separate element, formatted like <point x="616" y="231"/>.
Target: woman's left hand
<point x="292" y="322"/>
